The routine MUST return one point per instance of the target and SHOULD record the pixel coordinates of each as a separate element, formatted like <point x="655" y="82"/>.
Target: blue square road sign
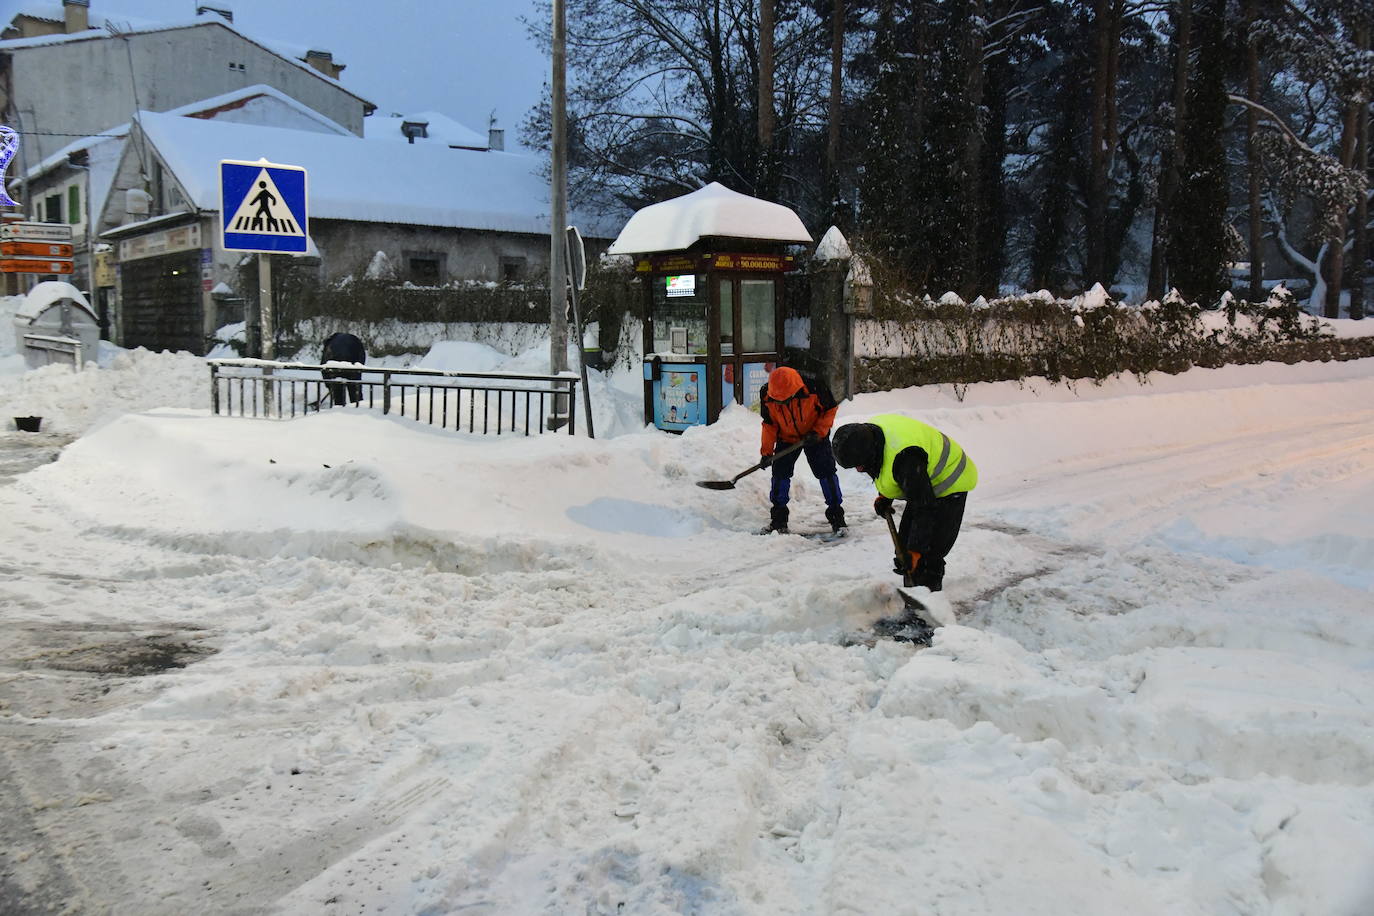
<point x="263" y="207"/>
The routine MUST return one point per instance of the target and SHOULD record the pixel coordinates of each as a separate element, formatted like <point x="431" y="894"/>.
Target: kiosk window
<point x="758" y="316"/>
<point x="727" y="318"/>
<point x="679" y="314"/>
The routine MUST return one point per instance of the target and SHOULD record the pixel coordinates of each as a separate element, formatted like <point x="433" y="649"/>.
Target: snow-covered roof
<point x="368" y="180"/>
<point x="45" y="294"/>
<point x="714" y="210"/>
<point x="191" y="109"/>
<point x="439" y="129"/>
<point x="136" y="27"/>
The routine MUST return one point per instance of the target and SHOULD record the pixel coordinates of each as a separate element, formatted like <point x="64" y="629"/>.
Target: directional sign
<point x="35" y="250"/>
<point x="32" y="266"/>
<point x="263" y="206"/>
<point x="35" y="232"/>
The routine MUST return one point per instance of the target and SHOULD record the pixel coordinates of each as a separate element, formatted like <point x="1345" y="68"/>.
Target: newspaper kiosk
<point x="713" y="263"/>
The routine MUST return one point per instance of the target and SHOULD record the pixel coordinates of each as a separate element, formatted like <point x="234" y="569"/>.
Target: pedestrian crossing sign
<point x="263" y="206"/>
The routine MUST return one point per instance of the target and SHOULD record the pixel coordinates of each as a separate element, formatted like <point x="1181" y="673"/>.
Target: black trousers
<point x="337" y="389"/>
<point x="931" y="531"/>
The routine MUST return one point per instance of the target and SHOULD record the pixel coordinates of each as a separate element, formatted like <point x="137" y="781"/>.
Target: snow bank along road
<point x="348" y="665"/>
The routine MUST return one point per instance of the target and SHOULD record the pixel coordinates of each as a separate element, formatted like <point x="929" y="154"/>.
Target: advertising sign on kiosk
<point x="713" y="326"/>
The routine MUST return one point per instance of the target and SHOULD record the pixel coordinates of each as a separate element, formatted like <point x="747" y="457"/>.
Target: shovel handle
<point x="778" y="454"/>
<point x="901" y="552"/>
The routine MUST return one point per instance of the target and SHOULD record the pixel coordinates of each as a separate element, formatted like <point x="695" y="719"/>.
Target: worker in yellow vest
<point x="913" y="461"/>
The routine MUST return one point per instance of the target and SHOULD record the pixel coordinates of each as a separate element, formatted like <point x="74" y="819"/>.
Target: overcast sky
<point x="463" y="58"/>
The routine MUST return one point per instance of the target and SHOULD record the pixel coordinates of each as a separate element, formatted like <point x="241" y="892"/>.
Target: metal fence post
<point x="386" y="393"/>
<point x="572" y="407"/>
<point x="214" y="389"/>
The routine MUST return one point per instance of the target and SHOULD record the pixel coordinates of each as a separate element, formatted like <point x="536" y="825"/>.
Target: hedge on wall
<point x="1093" y="337"/>
<point x="372" y="309"/>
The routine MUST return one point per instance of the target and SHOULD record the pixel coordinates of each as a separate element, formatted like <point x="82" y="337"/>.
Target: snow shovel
<point x="911" y="601"/>
<point x="730" y="484"/>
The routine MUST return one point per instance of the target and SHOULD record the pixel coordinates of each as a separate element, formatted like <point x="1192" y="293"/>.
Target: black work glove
<point x="765" y="461"/>
<point x="906" y="564"/>
<point x="882" y="506"/>
<point x="811" y="438"/>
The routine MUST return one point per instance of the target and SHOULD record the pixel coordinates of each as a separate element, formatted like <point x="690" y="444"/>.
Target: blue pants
<point x="822" y="460"/>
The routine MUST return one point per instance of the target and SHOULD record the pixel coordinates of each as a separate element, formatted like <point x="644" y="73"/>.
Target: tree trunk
<point x="972" y="153"/>
<point x="1096" y="218"/>
<point x="992" y="215"/>
<point x="1252" y="91"/>
<point x="1360" y="249"/>
<point x="766" y="184"/>
<point x="1198" y="247"/>
<point x="1172" y="164"/>
<point x="838" y="212"/>
<point x="1331" y="306"/>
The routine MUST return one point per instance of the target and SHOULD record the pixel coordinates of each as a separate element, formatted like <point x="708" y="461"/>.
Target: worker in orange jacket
<point x="799" y="407"/>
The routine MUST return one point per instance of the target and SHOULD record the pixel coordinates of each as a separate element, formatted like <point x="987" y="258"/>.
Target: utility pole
<point x="558" y="268"/>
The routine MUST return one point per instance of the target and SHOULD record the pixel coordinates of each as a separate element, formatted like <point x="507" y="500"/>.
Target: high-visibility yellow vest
<point x="951" y="470"/>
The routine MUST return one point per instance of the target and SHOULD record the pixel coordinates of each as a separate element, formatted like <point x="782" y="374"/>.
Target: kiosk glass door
<point x="747" y="317"/>
<point x="758" y="316"/>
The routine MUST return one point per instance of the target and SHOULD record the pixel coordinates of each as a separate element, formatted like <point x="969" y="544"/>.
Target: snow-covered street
<point x="428" y="672"/>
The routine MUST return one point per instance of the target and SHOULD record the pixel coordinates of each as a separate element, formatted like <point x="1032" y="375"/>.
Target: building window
<point x="512" y="269"/>
<point x="54" y="214"/>
<point x="73" y="204"/>
<point x="425" y="268"/>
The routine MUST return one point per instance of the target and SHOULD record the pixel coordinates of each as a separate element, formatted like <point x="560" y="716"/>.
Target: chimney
<point x="222" y="11"/>
<point x="496" y="138"/>
<point x="323" y="61"/>
<point x="77" y="15"/>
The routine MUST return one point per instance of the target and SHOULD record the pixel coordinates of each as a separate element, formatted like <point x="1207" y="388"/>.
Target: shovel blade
<point x="717" y="484"/>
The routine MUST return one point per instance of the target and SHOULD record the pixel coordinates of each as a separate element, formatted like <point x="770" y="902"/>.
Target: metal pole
<point x="269" y="345"/>
<point x="268" y="332"/>
<point x="558" y="270"/>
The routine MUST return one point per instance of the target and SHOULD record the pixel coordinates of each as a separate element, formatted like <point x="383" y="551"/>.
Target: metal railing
<point x="66" y="350"/>
<point x="487" y="402"/>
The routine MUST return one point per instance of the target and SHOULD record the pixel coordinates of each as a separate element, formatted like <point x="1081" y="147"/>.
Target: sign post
<point x="576" y="259"/>
<point x="263" y="208"/>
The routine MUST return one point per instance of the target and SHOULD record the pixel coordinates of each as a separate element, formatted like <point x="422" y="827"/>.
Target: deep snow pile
<point x="457" y="674"/>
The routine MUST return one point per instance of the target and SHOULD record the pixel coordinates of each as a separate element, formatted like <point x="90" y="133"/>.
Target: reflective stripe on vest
<point x="900" y="433"/>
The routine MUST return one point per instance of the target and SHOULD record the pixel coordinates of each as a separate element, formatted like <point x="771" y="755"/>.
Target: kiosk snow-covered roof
<point x="714" y="210"/>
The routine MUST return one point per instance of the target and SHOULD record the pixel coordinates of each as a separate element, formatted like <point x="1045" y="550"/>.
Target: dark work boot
<point x="835" y="516"/>
<point x="778" y="520"/>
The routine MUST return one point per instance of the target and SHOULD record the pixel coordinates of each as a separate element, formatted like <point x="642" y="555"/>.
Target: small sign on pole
<point x="263" y="209"/>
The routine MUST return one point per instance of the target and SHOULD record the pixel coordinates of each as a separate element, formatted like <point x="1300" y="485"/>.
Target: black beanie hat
<point x="859" y="445"/>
